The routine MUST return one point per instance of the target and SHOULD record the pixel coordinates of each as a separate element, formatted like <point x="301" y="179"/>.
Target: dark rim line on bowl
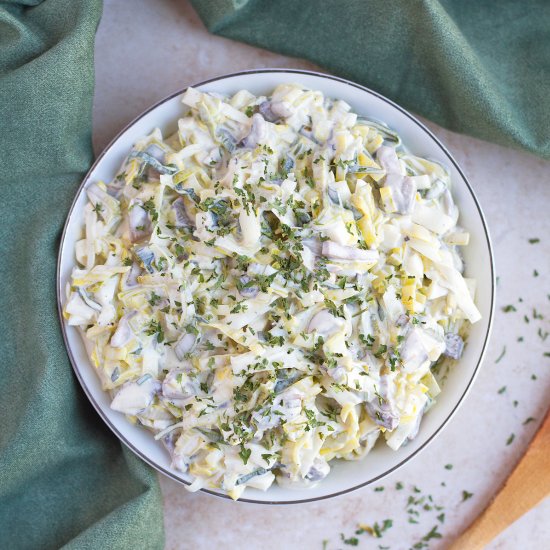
<point x="297" y="72"/>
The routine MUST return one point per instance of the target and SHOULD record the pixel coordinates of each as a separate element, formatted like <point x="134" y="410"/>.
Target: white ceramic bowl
<point x="345" y="476"/>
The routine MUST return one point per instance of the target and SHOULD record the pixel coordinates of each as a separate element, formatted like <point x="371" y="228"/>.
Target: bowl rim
<point x="422" y="127"/>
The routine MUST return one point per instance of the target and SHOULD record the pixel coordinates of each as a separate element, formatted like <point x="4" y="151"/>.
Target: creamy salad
<point x="269" y="288"/>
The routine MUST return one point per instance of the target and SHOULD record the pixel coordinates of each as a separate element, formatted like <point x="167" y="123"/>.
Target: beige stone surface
<point x="148" y="49"/>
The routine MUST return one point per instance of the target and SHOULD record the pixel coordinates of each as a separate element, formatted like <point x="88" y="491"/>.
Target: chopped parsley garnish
<point x="245" y="453"/>
<point x="432" y="534"/>
<point x="149" y="206"/>
<point x="378" y="530"/>
<point x="154" y="299"/>
<point x="351" y="541"/>
<point x="155" y="328"/>
<point x="502" y="353"/>
<point x="337" y="311"/>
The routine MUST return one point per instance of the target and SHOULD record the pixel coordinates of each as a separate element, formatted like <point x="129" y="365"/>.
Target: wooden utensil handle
<point x="527" y="485"/>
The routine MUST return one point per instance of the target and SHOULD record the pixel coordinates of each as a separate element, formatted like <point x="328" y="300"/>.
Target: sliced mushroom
<point x="381" y="409"/>
<point x="404" y="195"/>
<point x="156" y="152"/>
<point x="257" y="133"/>
<point x="123" y="333"/>
<point x="448" y="204"/>
<point x="324" y="323"/>
<point x="402" y="188"/>
<point x="180" y="211"/>
<point x="341" y="252"/>
<point x="139" y="223"/>
<point x="406" y="431"/>
<point x="287" y="406"/>
<point x="314" y="245"/>
<point x="179" y="461"/>
<point x="454" y="345"/>
<point x="147" y="256"/>
<point x="283" y="382"/>
<point x="280" y="109"/>
<point x="247" y="288"/>
<point x="185" y="345"/>
<point x="178" y="385"/>
<point x="368" y="441"/>
<point x="104" y="296"/>
<point x="333" y="195"/>
<point x="288" y="164"/>
<point x="227" y="139"/>
<point x="318" y="471"/>
<point x="309" y="258"/>
<point x="338" y="374"/>
<point x="387" y="158"/>
<point x="403" y="191"/>
<point x="134" y="397"/>
<point x="413" y="353"/>
<point x="130" y="280"/>
<point x="87" y="300"/>
<point x="267" y="112"/>
<point x="402" y="320"/>
<point x="416" y="427"/>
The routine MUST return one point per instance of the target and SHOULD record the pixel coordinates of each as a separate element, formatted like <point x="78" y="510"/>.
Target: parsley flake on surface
<point x="245" y="453"/>
<point x="502" y="353"/>
<point x="351" y="541"/>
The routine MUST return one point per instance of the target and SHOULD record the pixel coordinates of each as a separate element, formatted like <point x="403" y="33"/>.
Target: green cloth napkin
<point x="479" y="67"/>
<point x="65" y="480"/>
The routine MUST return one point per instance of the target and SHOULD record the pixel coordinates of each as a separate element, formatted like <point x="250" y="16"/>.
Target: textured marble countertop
<point x="148" y="49"/>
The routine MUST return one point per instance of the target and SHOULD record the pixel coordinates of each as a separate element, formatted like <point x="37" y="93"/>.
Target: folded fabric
<point x="65" y="480"/>
<point x="480" y="68"/>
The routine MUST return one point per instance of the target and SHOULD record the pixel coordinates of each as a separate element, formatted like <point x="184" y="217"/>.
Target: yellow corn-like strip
<point x="367" y="230"/>
<point x="131" y="171"/>
<point x="387" y="199"/>
<point x="408" y="294"/>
